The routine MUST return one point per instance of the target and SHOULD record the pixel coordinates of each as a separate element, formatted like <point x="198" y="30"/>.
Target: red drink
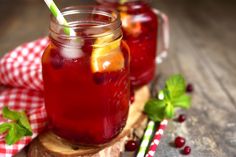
<point x="87" y="85"/>
<point x="140" y="25"/>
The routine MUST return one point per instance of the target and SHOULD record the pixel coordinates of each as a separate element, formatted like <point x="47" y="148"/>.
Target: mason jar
<point x="145" y="30"/>
<point x="86" y="76"/>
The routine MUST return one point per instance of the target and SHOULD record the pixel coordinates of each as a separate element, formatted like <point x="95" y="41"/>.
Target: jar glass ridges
<point x="86" y="77"/>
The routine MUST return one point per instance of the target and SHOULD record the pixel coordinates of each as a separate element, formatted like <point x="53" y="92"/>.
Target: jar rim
<point x="120" y="2"/>
<point x="111" y="13"/>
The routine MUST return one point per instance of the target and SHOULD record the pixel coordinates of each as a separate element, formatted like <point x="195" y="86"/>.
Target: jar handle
<point x="163" y="36"/>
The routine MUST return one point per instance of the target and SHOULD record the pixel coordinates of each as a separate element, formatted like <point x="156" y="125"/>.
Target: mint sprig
<point x="17" y="128"/>
<point x="173" y="95"/>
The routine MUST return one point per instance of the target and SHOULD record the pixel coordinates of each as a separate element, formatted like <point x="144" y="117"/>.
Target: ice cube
<point x="71" y="52"/>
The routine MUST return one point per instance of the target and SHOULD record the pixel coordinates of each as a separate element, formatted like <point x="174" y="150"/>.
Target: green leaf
<point x="21" y="130"/>
<point x="10" y="136"/>
<point x="173" y="95"/>
<point x="25" y="123"/>
<point x="184" y="101"/>
<point x="12" y="115"/>
<point x="15" y="133"/>
<point x="20" y="117"/>
<point x="176" y="85"/>
<point x="155" y="109"/>
<point x="17" y="129"/>
<point x="4" y="127"/>
<point x="169" y="111"/>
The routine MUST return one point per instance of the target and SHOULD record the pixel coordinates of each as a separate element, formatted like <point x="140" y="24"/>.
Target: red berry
<point x="131" y="145"/>
<point x="56" y="59"/>
<point x="87" y="46"/>
<point x="131" y="99"/>
<point x="186" y="150"/>
<point x="99" y="78"/>
<point x="182" y="118"/>
<point x="179" y="142"/>
<point x="189" y="88"/>
<point x="131" y="94"/>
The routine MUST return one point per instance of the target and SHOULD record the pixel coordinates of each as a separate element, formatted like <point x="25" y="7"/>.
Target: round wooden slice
<point x="50" y="145"/>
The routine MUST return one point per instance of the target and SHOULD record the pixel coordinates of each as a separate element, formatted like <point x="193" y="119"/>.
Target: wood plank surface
<point x="203" y="48"/>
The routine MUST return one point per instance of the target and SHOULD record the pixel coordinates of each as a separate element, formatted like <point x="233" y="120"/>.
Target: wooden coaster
<point x="50" y="145"/>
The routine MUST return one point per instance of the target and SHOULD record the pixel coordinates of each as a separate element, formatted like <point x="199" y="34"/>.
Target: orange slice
<point x="130" y="26"/>
<point x="107" y="58"/>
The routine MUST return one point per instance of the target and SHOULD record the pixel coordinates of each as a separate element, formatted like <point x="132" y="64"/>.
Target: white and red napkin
<point x="21" y="73"/>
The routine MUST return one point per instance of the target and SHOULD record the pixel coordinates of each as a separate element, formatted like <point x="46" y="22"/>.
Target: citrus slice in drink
<point x="107" y="56"/>
<point x="130" y="25"/>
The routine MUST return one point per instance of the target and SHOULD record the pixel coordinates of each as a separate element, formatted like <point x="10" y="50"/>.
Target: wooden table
<point x="203" y="48"/>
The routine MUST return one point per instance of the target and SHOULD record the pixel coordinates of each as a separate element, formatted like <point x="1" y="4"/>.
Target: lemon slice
<point x="107" y="58"/>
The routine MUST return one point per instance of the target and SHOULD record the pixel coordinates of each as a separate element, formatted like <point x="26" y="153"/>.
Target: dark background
<point x="203" y="49"/>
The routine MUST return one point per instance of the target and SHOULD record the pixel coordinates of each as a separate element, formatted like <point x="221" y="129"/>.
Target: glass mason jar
<point x="86" y="76"/>
<point x="140" y="25"/>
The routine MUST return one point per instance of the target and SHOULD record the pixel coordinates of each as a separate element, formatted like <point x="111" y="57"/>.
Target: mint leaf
<point x="155" y="109"/>
<point x="20" y="117"/>
<point x="4" y="127"/>
<point x="171" y="96"/>
<point x="176" y="86"/>
<point x="10" y="138"/>
<point x="183" y="101"/>
<point x="18" y="128"/>
<point x="169" y="111"/>
<point x="25" y="123"/>
<point x="8" y="114"/>
<point x="15" y="133"/>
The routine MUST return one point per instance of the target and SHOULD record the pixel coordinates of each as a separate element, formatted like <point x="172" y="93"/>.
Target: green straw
<point x="60" y="18"/>
<point x="146" y="139"/>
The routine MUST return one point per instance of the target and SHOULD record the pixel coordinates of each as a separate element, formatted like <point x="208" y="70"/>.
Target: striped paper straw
<point x="60" y="18"/>
<point x="156" y="139"/>
<point x="146" y="139"/>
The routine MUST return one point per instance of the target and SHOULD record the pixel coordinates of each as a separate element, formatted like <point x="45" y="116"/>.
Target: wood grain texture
<point x="203" y="48"/>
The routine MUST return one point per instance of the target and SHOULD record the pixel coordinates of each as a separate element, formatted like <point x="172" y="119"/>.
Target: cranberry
<point x="131" y="99"/>
<point x="56" y="59"/>
<point x="179" y="142"/>
<point x="131" y="145"/>
<point x="99" y="78"/>
<point x="182" y="118"/>
<point x="189" y="88"/>
<point x="87" y="46"/>
<point x="131" y="94"/>
<point x="186" y="150"/>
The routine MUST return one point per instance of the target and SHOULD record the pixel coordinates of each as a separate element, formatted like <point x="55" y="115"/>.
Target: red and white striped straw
<point x="156" y="139"/>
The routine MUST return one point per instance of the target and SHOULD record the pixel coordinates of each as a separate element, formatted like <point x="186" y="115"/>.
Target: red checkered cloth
<point x="21" y="73"/>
